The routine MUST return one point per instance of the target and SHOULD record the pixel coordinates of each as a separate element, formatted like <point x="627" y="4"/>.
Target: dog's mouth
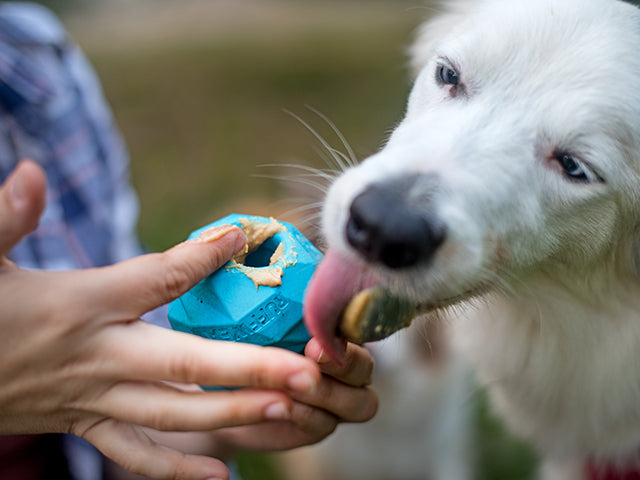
<point x="347" y="300"/>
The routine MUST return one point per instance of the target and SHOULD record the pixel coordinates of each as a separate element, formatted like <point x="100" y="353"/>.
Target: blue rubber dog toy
<point x="243" y="302"/>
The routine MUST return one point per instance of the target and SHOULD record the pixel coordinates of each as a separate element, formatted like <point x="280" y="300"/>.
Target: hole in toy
<point x="261" y="257"/>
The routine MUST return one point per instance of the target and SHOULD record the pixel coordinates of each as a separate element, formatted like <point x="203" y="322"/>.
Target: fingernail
<point x="323" y="358"/>
<point x="18" y="192"/>
<point x="241" y="243"/>
<point x="301" y="382"/>
<point x="215" y="233"/>
<point x="277" y="411"/>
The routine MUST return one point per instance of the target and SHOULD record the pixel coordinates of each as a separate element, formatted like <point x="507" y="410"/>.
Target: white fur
<point x="549" y="266"/>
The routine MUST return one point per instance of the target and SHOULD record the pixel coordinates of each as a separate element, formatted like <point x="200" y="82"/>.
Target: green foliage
<point x="499" y="455"/>
<point x="254" y="466"/>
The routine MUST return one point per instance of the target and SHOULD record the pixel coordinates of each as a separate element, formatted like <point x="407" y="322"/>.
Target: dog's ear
<point x="448" y="15"/>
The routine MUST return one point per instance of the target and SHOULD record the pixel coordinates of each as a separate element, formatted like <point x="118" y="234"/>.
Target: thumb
<point x="22" y="199"/>
<point x="135" y="286"/>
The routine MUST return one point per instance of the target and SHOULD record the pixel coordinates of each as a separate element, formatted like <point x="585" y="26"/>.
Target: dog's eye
<point x="447" y="76"/>
<point x="576" y="170"/>
<point x="573" y="168"/>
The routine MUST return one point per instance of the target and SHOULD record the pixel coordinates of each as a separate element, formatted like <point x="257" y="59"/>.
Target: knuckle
<point x="241" y="413"/>
<point x="176" y="278"/>
<point x="219" y="258"/>
<point x="325" y="393"/>
<point x="351" y="404"/>
<point x="238" y="407"/>
<point x="235" y="409"/>
<point x="259" y="377"/>
<point x="158" y="419"/>
<point x="178" y="469"/>
<point x="184" y="368"/>
<point x="315" y="422"/>
<point x="302" y="416"/>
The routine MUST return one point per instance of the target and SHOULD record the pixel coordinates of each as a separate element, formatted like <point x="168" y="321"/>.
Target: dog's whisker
<point x="305" y="209"/>
<point x="351" y="160"/>
<point x="306" y="180"/>
<point x="337" y="159"/>
<point x="329" y="158"/>
<point x="345" y="162"/>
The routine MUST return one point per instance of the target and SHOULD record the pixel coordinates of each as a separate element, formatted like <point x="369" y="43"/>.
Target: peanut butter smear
<point x="257" y="233"/>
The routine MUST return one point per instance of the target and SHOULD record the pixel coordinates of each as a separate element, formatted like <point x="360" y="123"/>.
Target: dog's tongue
<point x="336" y="280"/>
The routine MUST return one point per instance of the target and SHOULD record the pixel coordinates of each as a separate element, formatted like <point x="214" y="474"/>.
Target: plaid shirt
<point x="52" y="110"/>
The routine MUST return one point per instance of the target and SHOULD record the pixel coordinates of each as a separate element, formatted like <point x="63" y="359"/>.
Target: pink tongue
<point x="336" y="280"/>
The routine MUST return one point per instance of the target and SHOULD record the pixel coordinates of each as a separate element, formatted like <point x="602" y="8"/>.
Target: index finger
<point x="131" y="288"/>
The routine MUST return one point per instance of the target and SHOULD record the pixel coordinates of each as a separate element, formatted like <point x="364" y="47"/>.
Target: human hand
<point x="74" y="356"/>
<point x="342" y="395"/>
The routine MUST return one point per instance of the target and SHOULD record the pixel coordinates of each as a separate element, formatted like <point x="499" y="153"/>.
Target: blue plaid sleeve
<point x="53" y="111"/>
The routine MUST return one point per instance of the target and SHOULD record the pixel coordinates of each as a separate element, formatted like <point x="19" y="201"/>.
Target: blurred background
<point x="201" y="90"/>
<point x="211" y="96"/>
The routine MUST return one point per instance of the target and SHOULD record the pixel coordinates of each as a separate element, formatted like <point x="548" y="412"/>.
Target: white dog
<point x="512" y="189"/>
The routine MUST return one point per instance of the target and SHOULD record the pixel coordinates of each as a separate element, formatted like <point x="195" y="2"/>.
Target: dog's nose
<point x="384" y="227"/>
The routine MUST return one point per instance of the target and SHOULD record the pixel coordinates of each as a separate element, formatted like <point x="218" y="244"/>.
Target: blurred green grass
<point x="200" y="116"/>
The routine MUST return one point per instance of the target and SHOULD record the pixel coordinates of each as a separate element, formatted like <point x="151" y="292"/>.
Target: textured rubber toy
<point x="228" y="305"/>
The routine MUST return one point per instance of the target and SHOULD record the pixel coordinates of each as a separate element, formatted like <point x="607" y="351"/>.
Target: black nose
<point x="386" y="227"/>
